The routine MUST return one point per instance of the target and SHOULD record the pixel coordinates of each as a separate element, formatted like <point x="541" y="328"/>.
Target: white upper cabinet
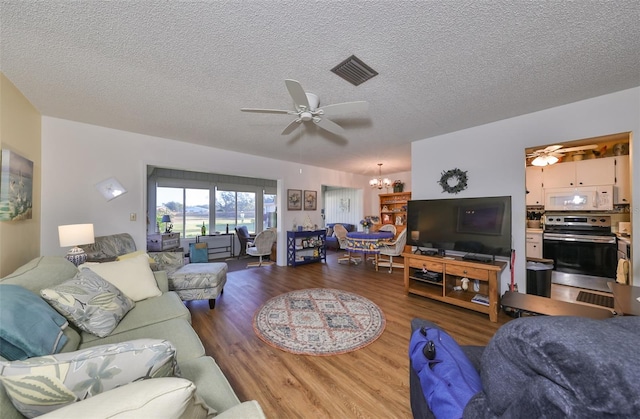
<point x="622" y="186"/>
<point x="560" y="175"/>
<point x="592" y="172"/>
<point x="535" y="193"/>
<point x="596" y="172"/>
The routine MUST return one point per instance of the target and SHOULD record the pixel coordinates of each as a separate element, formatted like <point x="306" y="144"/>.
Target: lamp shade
<point x="75" y="234"/>
<point x="166" y="219"/>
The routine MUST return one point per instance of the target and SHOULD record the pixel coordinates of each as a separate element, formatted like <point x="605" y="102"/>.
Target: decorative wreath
<point x="457" y="174"/>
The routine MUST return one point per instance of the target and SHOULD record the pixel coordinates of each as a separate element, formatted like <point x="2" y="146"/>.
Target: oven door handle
<point x="579" y="238"/>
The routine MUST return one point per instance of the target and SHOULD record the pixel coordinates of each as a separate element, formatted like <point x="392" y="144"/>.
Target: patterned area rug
<point x="597" y="299"/>
<point x="319" y="321"/>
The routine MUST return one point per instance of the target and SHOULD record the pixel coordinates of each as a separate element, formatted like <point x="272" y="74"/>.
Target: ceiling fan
<point x="553" y="153"/>
<point x="307" y="110"/>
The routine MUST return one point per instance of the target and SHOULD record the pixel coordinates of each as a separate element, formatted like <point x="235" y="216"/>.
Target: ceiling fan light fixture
<point x="379" y="182"/>
<point x="542" y="161"/>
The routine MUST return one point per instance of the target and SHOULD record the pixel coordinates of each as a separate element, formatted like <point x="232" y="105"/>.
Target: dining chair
<point x="341" y="234"/>
<point x="244" y="238"/>
<point x="391" y="249"/>
<point x="261" y="246"/>
<point x="390" y="228"/>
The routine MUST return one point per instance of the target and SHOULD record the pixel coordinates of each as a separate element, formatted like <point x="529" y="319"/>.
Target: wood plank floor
<point x="372" y="382"/>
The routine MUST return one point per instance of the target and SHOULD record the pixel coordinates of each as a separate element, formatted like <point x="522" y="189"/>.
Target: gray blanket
<point x="552" y="367"/>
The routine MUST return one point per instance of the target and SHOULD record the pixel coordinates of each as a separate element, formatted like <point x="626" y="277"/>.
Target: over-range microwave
<point x="584" y="198"/>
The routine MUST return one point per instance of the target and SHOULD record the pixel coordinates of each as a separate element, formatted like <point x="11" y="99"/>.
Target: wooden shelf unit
<point x="306" y="247"/>
<point x="451" y="272"/>
<point x="392" y="206"/>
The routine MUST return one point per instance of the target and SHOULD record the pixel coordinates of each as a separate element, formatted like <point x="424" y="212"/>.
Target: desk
<point x="228" y="247"/>
<point x="544" y="305"/>
<point x="625" y="298"/>
<point x="367" y="243"/>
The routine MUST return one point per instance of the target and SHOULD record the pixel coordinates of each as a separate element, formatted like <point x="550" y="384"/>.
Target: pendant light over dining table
<point x="379" y="182"/>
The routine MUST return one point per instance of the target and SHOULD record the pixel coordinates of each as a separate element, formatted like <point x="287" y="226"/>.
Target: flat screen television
<point x="478" y="226"/>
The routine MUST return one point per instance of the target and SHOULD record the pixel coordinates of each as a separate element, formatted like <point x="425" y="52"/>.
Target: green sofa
<point x="161" y="317"/>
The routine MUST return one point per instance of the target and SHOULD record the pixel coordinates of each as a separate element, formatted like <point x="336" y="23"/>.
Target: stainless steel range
<point x="580" y="244"/>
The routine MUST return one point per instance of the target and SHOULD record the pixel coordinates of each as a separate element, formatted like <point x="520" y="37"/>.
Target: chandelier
<point x="379" y="182"/>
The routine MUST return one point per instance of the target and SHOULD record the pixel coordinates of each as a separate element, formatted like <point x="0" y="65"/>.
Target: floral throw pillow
<point x="90" y="302"/>
<point x="40" y="385"/>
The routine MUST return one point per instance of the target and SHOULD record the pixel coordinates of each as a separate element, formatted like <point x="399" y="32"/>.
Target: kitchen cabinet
<point x="592" y="172"/>
<point x="534" y="243"/>
<point x="535" y="192"/>
<point x="622" y="186"/>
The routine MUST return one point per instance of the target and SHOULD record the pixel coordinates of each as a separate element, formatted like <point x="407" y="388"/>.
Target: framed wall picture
<point x="294" y="199"/>
<point x="16" y="187"/>
<point x="310" y="200"/>
<point x="345" y="204"/>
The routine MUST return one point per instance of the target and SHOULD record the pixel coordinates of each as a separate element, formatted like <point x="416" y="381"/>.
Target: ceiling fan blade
<point x="584" y="147"/>
<point x="339" y="109"/>
<point x="549" y="149"/>
<point x="330" y="126"/>
<point x="297" y="93"/>
<point x="293" y="125"/>
<point x="264" y="110"/>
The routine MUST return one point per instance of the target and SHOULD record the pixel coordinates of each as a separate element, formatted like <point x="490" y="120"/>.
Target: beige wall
<point x="20" y="132"/>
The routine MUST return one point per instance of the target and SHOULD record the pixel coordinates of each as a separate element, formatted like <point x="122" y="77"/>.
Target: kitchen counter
<point x="623" y="238"/>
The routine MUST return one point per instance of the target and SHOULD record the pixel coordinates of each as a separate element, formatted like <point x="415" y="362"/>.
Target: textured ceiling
<point x="183" y="70"/>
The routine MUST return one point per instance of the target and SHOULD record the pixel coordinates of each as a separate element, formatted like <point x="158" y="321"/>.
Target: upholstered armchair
<point x="261" y="246"/>
<point x="244" y="238"/>
<point x="391" y="249"/>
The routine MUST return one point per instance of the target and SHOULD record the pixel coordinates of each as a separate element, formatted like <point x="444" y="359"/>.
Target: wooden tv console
<point x="451" y="271"/>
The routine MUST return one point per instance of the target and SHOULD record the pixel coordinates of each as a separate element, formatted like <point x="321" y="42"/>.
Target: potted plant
<point x="533" y="219"/>
<point x="366" y="224"/>
<point x="398" y="186"/>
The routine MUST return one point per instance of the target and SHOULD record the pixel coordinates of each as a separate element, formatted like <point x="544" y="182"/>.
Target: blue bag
<point x="448" y="378"/>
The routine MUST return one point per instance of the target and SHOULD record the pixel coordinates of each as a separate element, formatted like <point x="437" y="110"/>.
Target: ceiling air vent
<point x="354" y="71"/>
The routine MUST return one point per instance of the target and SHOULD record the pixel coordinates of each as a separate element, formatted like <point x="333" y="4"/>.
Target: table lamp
<point x="166" y="219"/>
<point x="74" y="235"/>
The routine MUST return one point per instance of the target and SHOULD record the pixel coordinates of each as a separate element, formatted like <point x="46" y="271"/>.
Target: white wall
<point x="77" y="156"/>
<point x="493" y="154"/>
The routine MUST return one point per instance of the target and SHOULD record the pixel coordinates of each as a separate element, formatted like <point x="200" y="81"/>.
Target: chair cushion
<point x="198" y="253"/>
<point x="178" y="331"/>
<point x="40" y="385"/>
<point x="131" y="276"/>
<point x="146" y="312"/>
<point x="91" y="303"/>
<point x="168" y="397"/>
<point x="198" y="275"/>
<point x="108" y="248"/>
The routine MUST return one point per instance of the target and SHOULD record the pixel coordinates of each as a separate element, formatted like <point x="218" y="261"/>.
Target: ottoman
<point x="192" y="281"/>
<point x="199" y="281"/>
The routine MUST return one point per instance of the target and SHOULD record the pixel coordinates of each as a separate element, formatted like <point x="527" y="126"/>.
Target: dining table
<point x="367" y="243"/>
